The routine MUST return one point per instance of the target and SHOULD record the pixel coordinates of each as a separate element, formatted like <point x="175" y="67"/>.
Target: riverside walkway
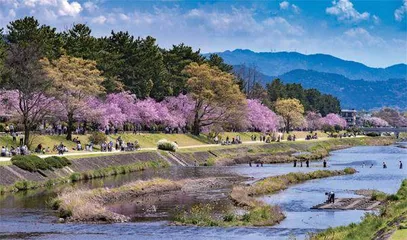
<point x="98" y="153"/>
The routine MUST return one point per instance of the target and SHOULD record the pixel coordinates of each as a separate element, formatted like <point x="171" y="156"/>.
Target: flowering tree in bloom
<point x="74" y="80"/>
<point x="41" y="107"/>
<point x="313" y="121"/>
<point x="392" y="117"/>
<point x="374" y="122"/>
<point x="260" y="117"/>
<point x="180" y="110"/>
<point x="147" y="112"/>
<point x="333" y="120"/>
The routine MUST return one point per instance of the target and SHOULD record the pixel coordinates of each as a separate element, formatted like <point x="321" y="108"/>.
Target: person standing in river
<point x="384" y="165"/>
<point x="324" y="163"/>
<point x="401" y="165"/>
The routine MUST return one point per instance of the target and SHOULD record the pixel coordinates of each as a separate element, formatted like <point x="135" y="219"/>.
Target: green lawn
<point x="148" y="140"/>
<point x="45" y="140"/>
<point x="400" y="234"/>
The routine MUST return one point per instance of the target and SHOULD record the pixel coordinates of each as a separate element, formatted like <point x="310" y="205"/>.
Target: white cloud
<point x="400" y="12"/>
<point x="12" y="13"/>
<point x="284" y="5"/>
<point x="61" y="7"/>
<point x="69" y="9"/>
<point x="344" y="10"/>
<point x="360" y="37"/>
<point x="282" y="26"/>
<point x="376" y="19"/>
<point x="90" y="6"/>
<point x="287" y="6"/>
<point x="99" y="20"/>
<point x="13" y="3"/>
<point x="295" y="8"/>
<point x="124" y="17"/>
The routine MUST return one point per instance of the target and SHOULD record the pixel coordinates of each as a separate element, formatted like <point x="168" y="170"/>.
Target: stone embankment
<point x="12" y="174"/>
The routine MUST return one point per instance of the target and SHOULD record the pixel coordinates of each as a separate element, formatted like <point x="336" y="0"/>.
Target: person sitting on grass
<point x="13" y="151"/>
<point x="39" y="148"/>
<point x="3" y="151"/>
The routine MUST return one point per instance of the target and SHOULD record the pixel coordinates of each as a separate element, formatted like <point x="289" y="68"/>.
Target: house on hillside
<point x="349" y="116"/>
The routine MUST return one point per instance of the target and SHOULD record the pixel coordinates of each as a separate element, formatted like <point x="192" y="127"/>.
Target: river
<point x="26" y="214"/>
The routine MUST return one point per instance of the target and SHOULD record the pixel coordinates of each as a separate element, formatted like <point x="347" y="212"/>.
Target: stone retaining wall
<point x="11" y="174"/>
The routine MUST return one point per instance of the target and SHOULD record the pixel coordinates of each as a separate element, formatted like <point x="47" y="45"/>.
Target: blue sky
<point x="371" y="32"/>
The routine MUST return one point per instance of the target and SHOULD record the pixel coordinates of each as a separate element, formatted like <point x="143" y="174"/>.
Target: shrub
<point x="166" y="145"/>
<point x="30" y="163"/>
<point x="57" y="162"/>
<point x="75" y="177"/>
<point x="98" y="138"/>
<point x="373" y="134"/>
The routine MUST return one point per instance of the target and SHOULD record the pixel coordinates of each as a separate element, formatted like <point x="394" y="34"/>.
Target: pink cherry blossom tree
<point x="313" y="121"/>
<point x="374" y="122"/>
<point x="261" y="118"/>
<point x="180" y="110"/>
<point x="333" y="120"/>
<point x="392" y="116"/>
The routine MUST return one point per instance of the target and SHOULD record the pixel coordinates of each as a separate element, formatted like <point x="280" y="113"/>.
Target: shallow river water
<point x="26" y="215"/>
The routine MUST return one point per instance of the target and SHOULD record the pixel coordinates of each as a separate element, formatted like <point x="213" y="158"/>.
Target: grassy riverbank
<point x="243" y="195"/>
<point x="77" y="176"/>
<point x="88" y="205"/>
<point x="391" y="220"/>
<point x="76" y="205"/>
<point x="257" y="212"/>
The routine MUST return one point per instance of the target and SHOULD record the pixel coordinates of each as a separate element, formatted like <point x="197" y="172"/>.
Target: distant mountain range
<point x="355" y="94"/>
<point x="355" y="84"/>
<point x="278" y="63"/>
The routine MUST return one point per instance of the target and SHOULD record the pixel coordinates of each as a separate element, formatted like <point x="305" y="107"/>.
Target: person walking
<point x="307" y="163"/>
<point x="324" y="163"/>
<point x="295" y="163"/>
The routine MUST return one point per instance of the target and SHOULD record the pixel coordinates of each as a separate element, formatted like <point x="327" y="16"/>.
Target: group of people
<point x="19" y="150"/>
<point x="258" y="164"/>
<point x="309" y="136"/>
<point x="400" y="165"/>
<point x="384" y="164"/>
<point x="291" y="138"/>
<point x="301" y="162"/>
<point x="324" y="163"/>
<point x="227" y="141"/>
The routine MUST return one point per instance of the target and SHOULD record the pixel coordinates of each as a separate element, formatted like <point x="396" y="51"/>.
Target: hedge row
<point x="34" y="163"/>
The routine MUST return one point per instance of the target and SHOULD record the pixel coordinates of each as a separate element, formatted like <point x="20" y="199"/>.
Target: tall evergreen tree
<point x="78" y="42"/>
<point x="27" y="31"/>
<point x="175" y="60"/>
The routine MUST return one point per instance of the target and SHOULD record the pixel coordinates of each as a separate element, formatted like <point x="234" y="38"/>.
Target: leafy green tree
<point x="217" y="61"/>
<point x="328" y="104"/>
<point x="78" y="42"/>
<point x="27" y="31"/>
<point x="276" y="89"/>
<point x="291" y="110"/>
<point x="28" y="79"/>
<point x="3" y="49"/>
<point x="137" y="63"/>
<point x="74" y="80"/>
<point x="218" y="100"/>
<point x="175" y="60"/>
